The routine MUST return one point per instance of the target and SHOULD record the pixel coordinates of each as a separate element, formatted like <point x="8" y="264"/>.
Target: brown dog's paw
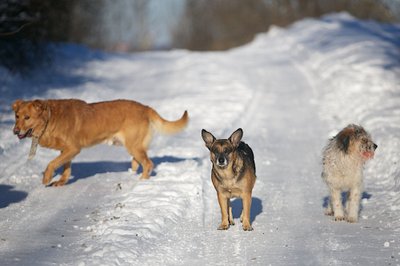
<point x="144" y="177"/>
<point x="46" y="178"/>
<point x="58" y="183"/>
<point x="328" y="212"/>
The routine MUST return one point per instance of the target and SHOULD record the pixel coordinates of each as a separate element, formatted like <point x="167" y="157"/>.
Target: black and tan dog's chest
<point x="233" y="174"/>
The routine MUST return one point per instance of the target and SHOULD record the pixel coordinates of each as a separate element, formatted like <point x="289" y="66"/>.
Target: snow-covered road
<point x="290" y="90"/>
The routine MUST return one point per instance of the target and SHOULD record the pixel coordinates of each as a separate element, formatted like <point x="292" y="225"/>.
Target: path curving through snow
<point x="290" y="90"/>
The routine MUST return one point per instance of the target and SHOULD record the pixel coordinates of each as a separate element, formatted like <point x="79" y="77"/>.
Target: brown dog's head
<point x="222" y="151"/>
<point x="30" y="119"/>
<point x="353" y="139"/>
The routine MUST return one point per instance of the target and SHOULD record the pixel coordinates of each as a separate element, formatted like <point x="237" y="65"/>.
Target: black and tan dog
<point x="233" y="174"/>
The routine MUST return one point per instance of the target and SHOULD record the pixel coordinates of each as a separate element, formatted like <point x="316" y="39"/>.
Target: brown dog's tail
<point x="168" y="127"/>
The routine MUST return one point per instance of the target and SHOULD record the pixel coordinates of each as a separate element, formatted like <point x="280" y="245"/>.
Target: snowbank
<point x="355" y="68"/>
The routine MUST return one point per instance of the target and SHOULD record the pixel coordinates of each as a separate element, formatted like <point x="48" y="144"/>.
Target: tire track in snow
<point x="272" y="127"/>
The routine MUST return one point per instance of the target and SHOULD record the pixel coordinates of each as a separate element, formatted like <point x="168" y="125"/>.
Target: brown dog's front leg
<point x="223" y="204"/>
<point x="63" y="159"/>
<point x="64" y="177"/>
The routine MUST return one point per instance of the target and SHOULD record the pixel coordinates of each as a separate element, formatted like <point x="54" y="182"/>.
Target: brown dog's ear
<point x="208" y="138"/>
<point x="16" y="105"/>
<point x="39" y="105"/>
<point x="236" y="137"/>
<point x="343" y="139"/>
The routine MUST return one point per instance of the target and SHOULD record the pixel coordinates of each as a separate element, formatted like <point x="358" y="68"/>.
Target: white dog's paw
<point x="339" y="218"/>
<point x="352" y="219"/>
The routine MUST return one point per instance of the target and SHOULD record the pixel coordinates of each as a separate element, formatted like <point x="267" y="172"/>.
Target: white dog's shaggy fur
<point x="343" y="161"/>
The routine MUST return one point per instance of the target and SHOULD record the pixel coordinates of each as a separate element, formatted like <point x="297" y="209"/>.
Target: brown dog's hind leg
<point x="140" y="157"/>
<point x="147" y="165"/>
<point x="134" y="165"/>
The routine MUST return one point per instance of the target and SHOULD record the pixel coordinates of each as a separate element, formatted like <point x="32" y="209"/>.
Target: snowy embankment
<point x="290" y="90"/>
<point x="355" y="66"/>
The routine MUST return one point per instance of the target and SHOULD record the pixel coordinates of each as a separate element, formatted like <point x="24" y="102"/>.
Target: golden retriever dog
<point x="71" y="124"/>
<point x="343" y="162"/>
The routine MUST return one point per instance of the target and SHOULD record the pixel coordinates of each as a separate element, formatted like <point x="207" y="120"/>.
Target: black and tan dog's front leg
<point x="245" y="216"/>
<point x="63" y="159"/>
<point x="231" y="222"/>
<point x="223" y="204"/>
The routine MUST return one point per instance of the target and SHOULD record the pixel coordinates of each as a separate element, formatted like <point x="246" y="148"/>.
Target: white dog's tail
<point x="168" y="127"/>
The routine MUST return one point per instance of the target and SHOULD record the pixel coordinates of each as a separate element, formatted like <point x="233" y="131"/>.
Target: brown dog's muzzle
<point x="20" y="135"/>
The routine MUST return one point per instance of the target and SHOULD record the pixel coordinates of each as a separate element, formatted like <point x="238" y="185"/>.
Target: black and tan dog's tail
<point x="168" y="127"/>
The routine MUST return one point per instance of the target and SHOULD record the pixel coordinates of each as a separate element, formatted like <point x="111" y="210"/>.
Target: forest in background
<point x="28" y="26"/>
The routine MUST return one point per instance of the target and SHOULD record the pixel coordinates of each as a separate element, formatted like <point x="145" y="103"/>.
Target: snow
<point x="290" y="90"/>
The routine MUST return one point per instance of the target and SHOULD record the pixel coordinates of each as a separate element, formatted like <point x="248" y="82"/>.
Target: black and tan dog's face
<point x="222" y="151"/>
<point x="28" y="118"/>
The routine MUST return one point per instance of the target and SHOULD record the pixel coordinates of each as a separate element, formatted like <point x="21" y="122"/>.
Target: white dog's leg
<point x="336" y="201"/>
<point x="353" y="205"/>
<point x="328" y="209"/>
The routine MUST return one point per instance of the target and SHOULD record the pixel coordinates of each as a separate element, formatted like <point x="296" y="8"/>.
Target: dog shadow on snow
<point x="9" y="196"/>
<point x="365" y="195"/>
<point x="256" y="208"/>
<point x="82" y="170"/>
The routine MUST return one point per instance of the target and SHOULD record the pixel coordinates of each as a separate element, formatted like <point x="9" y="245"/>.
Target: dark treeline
<point x="26" y="26"/>
<point x="222" y="24"/>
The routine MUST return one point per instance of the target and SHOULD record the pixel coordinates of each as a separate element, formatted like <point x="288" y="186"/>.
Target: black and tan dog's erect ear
<point x="16" y="105"/>
<point x="208" y="138"/>
<point x="236" y="137"/>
